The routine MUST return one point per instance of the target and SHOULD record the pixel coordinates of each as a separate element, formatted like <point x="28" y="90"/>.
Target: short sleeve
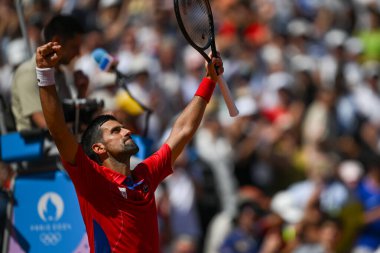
<point x="27" y="89"/>
<point x="159" y="164"/>
<point x="82" y="172"/>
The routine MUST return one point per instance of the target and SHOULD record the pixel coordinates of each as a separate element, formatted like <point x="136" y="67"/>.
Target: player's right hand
<point x="48" y="55"/>
<point x="215" y="68"/>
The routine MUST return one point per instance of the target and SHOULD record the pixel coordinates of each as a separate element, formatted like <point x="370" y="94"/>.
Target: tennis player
<point x="117" y="203"/>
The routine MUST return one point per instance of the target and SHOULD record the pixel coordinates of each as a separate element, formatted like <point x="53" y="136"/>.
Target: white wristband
<point x="45" y="76"/>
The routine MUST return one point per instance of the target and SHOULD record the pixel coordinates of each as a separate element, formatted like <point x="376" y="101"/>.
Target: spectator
<point x="184" y="244"/>
<point x="244" y="237"/>
<point x="214" y="149"/>
<point x="367" y="191"/>
<point x="183" y="214"/>
<point x="25" y="103"/>
<point x="5" y="178"/>
<point x="322" y="237"/>
<point x="367" y="96"/>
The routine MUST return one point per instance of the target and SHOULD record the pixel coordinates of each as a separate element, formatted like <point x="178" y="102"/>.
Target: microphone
<point x="108" y="63"/>
<point x="105" y="61"/>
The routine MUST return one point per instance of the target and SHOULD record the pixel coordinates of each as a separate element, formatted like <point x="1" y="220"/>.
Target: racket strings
<point x="195" y="19"/>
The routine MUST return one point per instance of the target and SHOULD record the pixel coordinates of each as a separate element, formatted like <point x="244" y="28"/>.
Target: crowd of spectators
<point x="298" y="170"/>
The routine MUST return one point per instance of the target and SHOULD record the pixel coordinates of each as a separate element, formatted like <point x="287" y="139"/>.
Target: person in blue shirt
<point x="244" y="237"/>
<point x="368" y="194"/>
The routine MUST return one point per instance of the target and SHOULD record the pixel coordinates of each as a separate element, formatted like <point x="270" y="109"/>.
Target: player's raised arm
<point x="47" y="57"/>
<point x="189" y="120"/>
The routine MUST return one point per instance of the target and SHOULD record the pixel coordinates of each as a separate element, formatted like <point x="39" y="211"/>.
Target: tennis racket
<point x="196" y="22"/>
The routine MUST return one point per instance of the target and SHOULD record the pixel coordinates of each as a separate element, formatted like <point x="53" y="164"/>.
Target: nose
<point x="126" y="132"/>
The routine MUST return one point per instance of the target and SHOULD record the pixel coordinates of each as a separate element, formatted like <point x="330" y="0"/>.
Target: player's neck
<point x="121" y="167"/>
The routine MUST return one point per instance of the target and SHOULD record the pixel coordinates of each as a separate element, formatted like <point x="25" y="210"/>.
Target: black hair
<point x="251" y="204"/>
<point x="93" y="134"/>
<point x="327" y="219"/>
<point x="64" y="26"/>
<point x="248" y="204"/>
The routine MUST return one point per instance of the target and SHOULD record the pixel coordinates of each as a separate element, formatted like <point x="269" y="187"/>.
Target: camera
<point x="81" y="110"/>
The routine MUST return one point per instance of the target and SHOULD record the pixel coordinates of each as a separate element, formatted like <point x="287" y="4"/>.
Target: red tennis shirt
<point x="120" y="218"/>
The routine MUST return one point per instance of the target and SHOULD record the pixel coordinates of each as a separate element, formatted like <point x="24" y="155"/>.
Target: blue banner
<point x="46" y="215"/>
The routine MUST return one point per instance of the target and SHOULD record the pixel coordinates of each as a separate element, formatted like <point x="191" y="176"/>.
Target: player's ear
<point x="98" y="148"/>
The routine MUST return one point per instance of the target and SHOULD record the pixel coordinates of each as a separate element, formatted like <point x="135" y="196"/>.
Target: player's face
<point x="70" y="49"/>
<point x="117" y="140"/>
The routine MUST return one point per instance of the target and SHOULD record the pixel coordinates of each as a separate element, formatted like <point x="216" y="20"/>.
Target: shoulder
<point x="159" y="163"/>
<point x="27" y="69"/>
<point x="81" y="159"/>
<point x="28" y="65"/>
<point x="164" y="152"/>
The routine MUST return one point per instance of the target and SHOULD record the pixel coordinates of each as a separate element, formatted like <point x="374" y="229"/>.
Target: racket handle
<point x="232" y="109"/>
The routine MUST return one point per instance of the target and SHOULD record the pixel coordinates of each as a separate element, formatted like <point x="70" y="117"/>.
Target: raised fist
<point x="48" y="55"/>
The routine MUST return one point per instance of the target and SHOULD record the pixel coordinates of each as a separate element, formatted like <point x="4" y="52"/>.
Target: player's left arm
<point x="189" y="120"/>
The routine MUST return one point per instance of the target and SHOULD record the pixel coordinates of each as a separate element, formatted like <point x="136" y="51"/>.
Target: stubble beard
<point x="131" y="148"/>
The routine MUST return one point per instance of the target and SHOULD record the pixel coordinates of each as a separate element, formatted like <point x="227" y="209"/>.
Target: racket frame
<point x="211" y="42"/>
<point x="232" y="109"/>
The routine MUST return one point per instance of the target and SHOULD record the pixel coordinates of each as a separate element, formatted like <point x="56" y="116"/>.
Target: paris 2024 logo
<point x="50" y="208"/>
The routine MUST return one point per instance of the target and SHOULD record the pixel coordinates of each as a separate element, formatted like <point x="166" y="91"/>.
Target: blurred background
<point x="297" y="171"/>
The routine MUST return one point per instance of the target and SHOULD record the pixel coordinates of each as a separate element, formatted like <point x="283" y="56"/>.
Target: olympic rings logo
<point x="50" y="239"/>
